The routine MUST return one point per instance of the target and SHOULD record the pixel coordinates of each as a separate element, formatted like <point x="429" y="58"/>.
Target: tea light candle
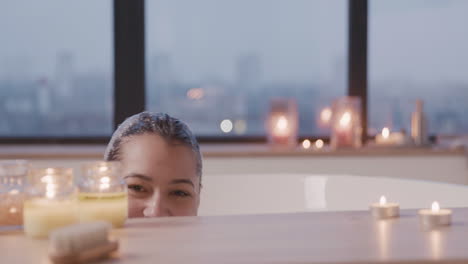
<point x="435" y="216"/>
<point x="306" y="144"/>
<point x="383" y="209"/>
<point x="319" y="144"/>
<point x="389" y="138"/>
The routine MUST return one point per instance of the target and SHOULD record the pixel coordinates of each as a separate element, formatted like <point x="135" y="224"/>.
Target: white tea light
<point x="319" y="144"/>
<point x="383" y="209"/>
<point x="435" y="216"/>
<point x="306" y="144"/>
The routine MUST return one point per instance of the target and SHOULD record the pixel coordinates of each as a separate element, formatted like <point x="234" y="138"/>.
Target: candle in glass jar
<point x="51" y="201"/>
<point x="384" y="209"/>
<point x="102" y="194"/>
<point x="346" y="123"/>
<point x="281" y="127"/>
<point x="12" y="179"/>
<point x="111" y="207"/>
<point x="41" y="216"/>
<point x="282" y="123"/>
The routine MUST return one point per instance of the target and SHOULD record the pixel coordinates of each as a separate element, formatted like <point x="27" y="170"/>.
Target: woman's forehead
<point x="153" y="156"/>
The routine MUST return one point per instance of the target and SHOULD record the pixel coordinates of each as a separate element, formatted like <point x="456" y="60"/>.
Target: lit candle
<point x="12" y="180"/>
<point x="110" y="207"/>
<point x="51" y="203"/>
<point x="306" y="144"/>
<point x="390" y="138"/>
<point x="346" y="123"/>
<point x="102" y="194"/>
<point x="345" y="120"/>
<point x="344" y="133"/>
<point x="319" y="144"/>
<point x="326" y="116"/>
<point x="435" y="216"/>
<point x="282" y="123"/>
<point x="44" y="215"/>
<point x="281" y="127"/>
<point x="384" y="209"/>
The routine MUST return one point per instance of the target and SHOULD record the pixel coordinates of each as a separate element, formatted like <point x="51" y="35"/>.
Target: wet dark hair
<point x="169" y="128"/>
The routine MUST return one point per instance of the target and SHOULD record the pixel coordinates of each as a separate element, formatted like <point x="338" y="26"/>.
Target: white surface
<point x="285" y="193"/>
<point x="277" y="184"/>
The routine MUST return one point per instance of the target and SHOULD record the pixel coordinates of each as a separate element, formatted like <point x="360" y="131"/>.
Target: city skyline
<point x="243" y="53"/>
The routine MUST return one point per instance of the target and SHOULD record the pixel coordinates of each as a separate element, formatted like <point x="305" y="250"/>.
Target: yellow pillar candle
<point x="103" y="193"/>
<point x="40" y="216"/>
<point x="110" y="207"/>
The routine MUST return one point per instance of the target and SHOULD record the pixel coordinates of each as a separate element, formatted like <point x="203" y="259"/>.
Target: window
<point x="418" y="49"/>
<point x="211" y="60"/>
<point x="56" y="68"/>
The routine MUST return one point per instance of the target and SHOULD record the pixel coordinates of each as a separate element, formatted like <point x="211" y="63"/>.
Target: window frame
<point x="129" y="72"/>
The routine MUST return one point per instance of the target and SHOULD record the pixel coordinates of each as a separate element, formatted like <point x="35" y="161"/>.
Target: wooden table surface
<point x="328" y="237"/>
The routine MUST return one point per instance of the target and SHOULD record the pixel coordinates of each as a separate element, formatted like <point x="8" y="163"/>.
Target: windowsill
<point x="217" y="151"/>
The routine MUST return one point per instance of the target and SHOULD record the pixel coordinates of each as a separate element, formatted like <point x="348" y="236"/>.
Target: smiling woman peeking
<point x="161" y="164"/>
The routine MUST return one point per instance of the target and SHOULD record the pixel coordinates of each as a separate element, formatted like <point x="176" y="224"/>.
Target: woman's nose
<point x="156" y="207"/>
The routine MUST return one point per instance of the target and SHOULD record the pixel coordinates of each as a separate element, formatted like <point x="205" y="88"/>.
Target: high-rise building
<point x="64" y="75"/>
<point x="248" y="69"/>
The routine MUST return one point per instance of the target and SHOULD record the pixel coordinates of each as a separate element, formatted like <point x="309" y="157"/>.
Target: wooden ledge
<point x="219" y="151"/>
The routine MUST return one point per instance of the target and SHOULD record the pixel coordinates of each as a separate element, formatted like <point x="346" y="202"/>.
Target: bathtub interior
<point x="231" y="194"/>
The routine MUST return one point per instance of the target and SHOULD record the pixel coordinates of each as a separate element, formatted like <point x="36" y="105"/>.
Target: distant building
<point x="64" y="75"/>
<point x="248" y="73"/>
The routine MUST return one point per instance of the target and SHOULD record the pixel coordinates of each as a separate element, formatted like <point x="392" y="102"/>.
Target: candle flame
<point x="13" y="210"/>
<point x="345" y="119"/>
<point x="282" y="123"/>
<point x="104" y="186"/>
<point x="385" y="132"/>
<point x="50" y="190"/>
<point x="319" y="144"/>
<point x="103" y="169"/>
<point x="435" y="207"/>
<point x="47" y="179"/>
<point x="306" y="144"/>
<point x="383" y="200"/>
<point x="325" y="115"/>
<point x="105" y="179"/>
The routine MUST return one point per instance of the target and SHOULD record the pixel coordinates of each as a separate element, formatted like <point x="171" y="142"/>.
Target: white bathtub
<point x="286" y="193"/>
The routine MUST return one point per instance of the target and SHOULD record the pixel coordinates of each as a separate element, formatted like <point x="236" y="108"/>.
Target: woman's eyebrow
<point x="187" y="181"/>
<point x="140" y="176"/>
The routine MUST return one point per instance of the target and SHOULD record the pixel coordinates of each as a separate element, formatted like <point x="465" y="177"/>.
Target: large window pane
<point x="55" y="68"/>
<point x="211" y="60"/>
<point x="419" y="49"/>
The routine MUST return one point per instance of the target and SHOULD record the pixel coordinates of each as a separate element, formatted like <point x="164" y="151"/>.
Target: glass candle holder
<point x="103" y="194"/>
<point x="12" y="180"/>
<point x="51" y="201"/>
<point x="282" y="123"/>
<point x="346" y="123"/>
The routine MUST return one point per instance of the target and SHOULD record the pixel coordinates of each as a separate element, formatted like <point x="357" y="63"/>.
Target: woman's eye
<point x="180" y="193"/>
<point x="136" y="188"/>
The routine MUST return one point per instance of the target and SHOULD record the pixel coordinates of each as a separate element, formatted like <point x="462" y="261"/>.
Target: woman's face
<point x="161" y="177"/>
